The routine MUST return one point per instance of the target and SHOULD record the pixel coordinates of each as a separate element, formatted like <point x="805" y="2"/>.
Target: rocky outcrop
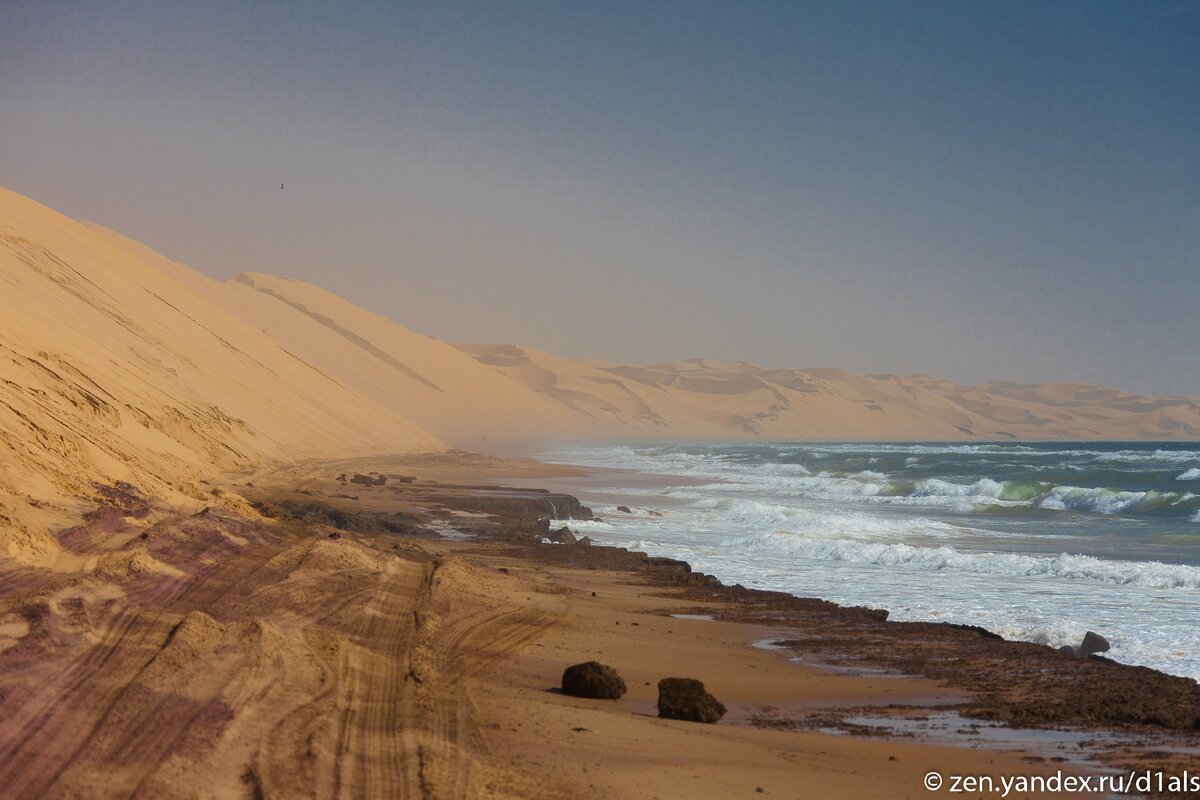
<point x="562" y="536"/>
<point x="1093" y="643"/>
<point x="521" y="502"/>
<point x="673" y="570"/>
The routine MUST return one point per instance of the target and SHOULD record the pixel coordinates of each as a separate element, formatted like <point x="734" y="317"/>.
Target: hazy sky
<point x="973" y="190"/>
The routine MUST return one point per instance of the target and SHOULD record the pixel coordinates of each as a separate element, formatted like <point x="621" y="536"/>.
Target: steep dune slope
<point x="421" y="378"/>
<point x="416" y="376"/>
<point x="115" y="369"/>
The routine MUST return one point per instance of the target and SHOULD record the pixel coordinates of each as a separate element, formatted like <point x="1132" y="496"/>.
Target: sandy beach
<point x="212" y="654"/>
<point x="591" y="401"/>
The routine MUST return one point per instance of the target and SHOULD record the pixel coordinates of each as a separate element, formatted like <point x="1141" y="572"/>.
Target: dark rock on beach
<point x="563" y="536"/>
<point x="1093" y="643"/>
<point x="687" y="699"/>
<point x="525" y="529"/>
<point x="625" y="509"/>
<point x="593" y="680"/>
<point x="680" y="572"/>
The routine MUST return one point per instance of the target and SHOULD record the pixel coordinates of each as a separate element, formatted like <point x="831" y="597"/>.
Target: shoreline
<point x="1131" y="696"/>
<point x="785" y="609"/>
<point x="240" y="636"/>
<point x="982" y="560"/>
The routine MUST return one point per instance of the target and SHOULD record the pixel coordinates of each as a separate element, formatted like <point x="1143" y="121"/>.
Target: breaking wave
<point x="947" y="558"/>
<point x="1107" y="501"/>
<point x="875" y="487"/>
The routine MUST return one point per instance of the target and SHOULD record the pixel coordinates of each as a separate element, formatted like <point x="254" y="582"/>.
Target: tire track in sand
<point x="460" y="641"/>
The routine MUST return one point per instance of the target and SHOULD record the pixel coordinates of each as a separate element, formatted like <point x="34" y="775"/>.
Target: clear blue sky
<point x="975" y="190"/>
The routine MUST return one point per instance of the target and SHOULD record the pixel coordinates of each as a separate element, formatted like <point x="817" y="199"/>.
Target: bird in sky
<point x="281" y="186"/>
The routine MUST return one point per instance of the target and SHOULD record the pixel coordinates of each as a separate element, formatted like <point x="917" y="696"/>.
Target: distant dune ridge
<point x="703" y="398"/>
<point x="118" y="364"/>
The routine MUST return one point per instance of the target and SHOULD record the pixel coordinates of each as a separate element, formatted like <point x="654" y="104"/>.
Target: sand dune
<point x="701" y="397"/>
<point x="421" y="378"/>
<point x="118" y="364"/>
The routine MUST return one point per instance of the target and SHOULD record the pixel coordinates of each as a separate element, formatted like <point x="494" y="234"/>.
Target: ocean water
<point x="1035" y="541"/>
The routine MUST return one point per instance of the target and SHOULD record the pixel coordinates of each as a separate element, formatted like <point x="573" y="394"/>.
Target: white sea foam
<point x="936" y="487"/>
<point x="948" y="558"/>
<point x="921" y="533"/>
<point x="1142" y="457"/>
<point x="842" y="523"/>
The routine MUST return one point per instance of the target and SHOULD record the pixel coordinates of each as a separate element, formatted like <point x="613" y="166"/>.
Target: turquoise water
<point x="1036" y="541"/>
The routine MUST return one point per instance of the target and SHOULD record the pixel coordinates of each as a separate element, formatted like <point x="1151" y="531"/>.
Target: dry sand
<point x="212" y="654"/>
